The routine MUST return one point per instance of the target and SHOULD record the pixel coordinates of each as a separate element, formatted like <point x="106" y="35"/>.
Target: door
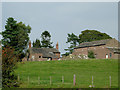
<point x="106" y="56"/>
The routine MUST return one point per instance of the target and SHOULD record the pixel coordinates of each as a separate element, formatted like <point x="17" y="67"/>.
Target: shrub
<point x="8" y="65"/>
<point x="91" y="54"/>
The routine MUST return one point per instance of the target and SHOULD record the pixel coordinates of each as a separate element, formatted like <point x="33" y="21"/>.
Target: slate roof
<point x="115" y="50"/>
<point x="47" y="52"/>
<point x="93" y="43"/>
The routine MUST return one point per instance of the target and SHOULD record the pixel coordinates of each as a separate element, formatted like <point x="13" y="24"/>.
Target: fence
<point x="50" y="81"/>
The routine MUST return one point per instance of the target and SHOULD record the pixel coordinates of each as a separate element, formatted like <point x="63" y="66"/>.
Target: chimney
<point x="57" y="46"/>
<point x="29" y="44"/>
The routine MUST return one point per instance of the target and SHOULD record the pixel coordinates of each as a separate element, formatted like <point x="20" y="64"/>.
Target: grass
<point x="83" y="69"/>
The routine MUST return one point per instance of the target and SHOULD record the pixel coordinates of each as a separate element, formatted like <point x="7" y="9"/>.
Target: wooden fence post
<point x="92" y="81"/>
<point x="62" y="79"/>
<point x="18" y="77"/>
<point x="74" y="79"/>
<point x="28" y="79"/>
<point x="110" y="81"/>
<point x="38" y="80"/>
<point x="50" y="80"/>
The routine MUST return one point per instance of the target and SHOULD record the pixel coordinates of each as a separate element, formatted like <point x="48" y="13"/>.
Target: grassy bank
<point x="38" y="73"/>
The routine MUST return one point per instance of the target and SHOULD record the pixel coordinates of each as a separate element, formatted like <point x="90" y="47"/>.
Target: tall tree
<point x="16" y="35"/>
<point x="46" y="40"/>
<point x="37" y="43"/>
<point x="92" y="35"/>
<point x="73" y="40"/>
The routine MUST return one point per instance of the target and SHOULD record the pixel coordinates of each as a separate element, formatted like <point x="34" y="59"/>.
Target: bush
<point x="91" y="54"/>
<point x="8" y="65"/>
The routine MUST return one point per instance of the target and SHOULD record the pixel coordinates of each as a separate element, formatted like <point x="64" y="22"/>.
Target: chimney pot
<point x="57" y="46"/>
<point x="29" y="44"/>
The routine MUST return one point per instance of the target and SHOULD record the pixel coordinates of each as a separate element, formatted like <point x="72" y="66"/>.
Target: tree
<point x="16" y="35"/>
<point x="92" y="35"/>
<point x="73" y="40"/>
<point x="37" y="44"/>
<point x="46" y="37"/>
<point x="9" y="60"/>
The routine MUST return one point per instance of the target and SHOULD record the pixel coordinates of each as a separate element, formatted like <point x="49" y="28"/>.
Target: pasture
<point x="59" y="74"/>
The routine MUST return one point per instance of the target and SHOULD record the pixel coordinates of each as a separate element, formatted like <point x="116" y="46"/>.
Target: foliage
<point x="46" y="37"/>
<point x="37" y="43"/>
<point x="8" y="65"/>
<point x="66" y="54"/>
<point x="91" y="54"/>
<point x="16" y="35"/>
<point x="92" y="35"/>
<point x="72" y="39"/>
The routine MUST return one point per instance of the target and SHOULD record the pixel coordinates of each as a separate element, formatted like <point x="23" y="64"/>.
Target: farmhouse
<point x="102" y="49"/>
<point x="41" y="54"/>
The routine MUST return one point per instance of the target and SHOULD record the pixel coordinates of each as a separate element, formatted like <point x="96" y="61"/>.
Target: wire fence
<point x="53" y="81"/>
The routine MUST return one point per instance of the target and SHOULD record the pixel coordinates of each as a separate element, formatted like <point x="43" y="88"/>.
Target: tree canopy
<point x="46" y="40"/>
<point x="92" y="35"/>
<point x="72" y="39"/>
<point x="16" y="35"/>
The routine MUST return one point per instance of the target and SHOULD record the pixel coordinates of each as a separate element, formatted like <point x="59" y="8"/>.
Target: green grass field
<point x="83" y="69"/>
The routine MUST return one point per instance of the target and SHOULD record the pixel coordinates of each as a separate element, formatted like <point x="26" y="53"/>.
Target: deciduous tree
<point x="92" y="35"/>
<point x="46" y="40"/>
<point x="72" y="39"/>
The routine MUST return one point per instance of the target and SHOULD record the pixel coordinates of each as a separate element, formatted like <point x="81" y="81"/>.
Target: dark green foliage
<point x="72" y="39"/>
<point x="66" y="54"/>
<point x="91" y="54"/>
<point x="16" y="35"/>
<point x="9" y="60"/>
<point x="37" y="44"/>
<point x="46" y="37"/>
<point x="92" y="35"/>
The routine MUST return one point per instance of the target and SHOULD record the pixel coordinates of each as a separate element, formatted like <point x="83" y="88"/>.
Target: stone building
<point x="42" y="54"/>
<point x="102" y="49"/>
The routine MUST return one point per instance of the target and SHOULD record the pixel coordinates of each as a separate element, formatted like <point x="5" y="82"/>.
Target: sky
<point x="61" y="18"/>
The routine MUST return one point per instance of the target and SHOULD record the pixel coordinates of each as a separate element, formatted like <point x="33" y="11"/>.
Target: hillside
<point x="33" y="72"/>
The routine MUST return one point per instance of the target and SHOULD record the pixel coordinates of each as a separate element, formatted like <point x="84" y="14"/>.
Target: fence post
<point x="50" y="80"/>
<point x="38" y="80"/>
<point x="28" y="79"/>
<point x="18" y="77"/>
<point x="92" y="81"/>
<point x="62" y="79"/>
<point x="74" y="78"/>
<point x="110" y="81"/>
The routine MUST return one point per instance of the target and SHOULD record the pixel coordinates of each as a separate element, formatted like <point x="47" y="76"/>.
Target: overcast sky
<point x="62" y="18"/>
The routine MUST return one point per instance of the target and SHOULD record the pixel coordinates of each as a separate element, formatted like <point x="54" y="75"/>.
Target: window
<point x="33" y="57"/>
<point x="110" y="54"/>
<point x="39" y="56"/>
